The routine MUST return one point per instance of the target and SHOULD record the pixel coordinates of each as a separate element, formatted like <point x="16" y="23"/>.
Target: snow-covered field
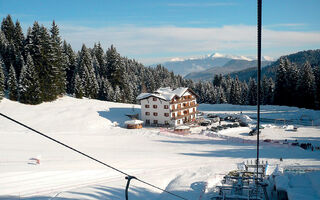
<point x="186" y="165"/>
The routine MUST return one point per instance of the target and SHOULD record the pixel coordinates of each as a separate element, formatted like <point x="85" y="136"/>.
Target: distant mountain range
<point x="213" y="63"/>
<point x="312" y="56"/>
<point x="230" y="67"/>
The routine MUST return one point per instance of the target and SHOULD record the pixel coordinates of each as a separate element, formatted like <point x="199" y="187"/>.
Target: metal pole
<point x="128" y="183"/>
<point x="259" y="80"/>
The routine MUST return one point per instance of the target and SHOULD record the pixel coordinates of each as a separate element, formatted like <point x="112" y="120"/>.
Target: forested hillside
<point x="39" y="67"/>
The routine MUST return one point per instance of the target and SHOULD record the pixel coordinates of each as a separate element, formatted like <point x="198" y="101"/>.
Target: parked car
<point x="205" y="122"/>
<point x="215" y="119"/>
<point x="243" y="124"/>
<point x="211" y="115"/>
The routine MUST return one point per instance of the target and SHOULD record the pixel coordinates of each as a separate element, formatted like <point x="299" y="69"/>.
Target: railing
<point x="181" y="101"/>
<point x="185" y="107"/>
<point x="182" y="116"/>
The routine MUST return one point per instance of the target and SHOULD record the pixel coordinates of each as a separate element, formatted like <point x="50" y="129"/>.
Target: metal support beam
<point x="128" y="184"/>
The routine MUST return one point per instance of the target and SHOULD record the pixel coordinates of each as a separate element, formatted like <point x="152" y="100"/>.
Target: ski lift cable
<point x="90" y="157"/>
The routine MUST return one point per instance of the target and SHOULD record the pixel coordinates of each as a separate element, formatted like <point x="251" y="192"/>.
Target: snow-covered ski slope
<point x="186" y="165"/>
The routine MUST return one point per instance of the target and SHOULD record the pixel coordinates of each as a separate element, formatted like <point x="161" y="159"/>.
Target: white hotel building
<point x="168" y="107"/>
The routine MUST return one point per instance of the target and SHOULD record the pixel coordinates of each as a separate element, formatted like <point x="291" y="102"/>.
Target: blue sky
<point x="156" y="31"/>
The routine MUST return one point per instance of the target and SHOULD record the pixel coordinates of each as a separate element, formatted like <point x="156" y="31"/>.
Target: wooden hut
<point x="133" y="124"/>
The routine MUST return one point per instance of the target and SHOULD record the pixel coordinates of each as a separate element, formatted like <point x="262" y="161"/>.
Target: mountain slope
<point x="229" y="67"/>
<point x="312" y="56"/>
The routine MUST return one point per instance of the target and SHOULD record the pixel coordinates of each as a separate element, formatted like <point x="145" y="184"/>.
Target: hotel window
<point x="155" y="121"/>
<point x="147" y="106"/>
<point x="154" y="99"/>
<point x="166" y="114"/>
<point x="155" y="114"/>
<point x="172" y="107"/>
<point x="166" y="107"/>
<point x="147" y="113"/>
<point x="155" y="106"/>
<point x="147" y="121"/>
<point x="173" y="114"/>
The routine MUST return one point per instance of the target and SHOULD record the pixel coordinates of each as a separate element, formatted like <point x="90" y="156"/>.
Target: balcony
<point x="182" y="116"/>
<point x="182" y="108"/>
<point x="181" y="101"/>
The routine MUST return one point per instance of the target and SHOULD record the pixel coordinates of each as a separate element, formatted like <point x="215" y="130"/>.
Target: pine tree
<point x="19" y="38"/>
<point x="1" y="80"/>
<point x="235" y="92"/>
<point x="115" y="67"/>
<point x="292" y="77"/>
<point x="78" y="87"/>
<point x="7" y="26"/>
<point x="252" y="92"/>
<point x="221" y="97"/>
<point x="117" y="94"/>
<point x="86" y="72"/>
<point x="71" y="64"/>
<point x="12" y="84"/>
<point x="58" y="60"/>
<point x="306" y="87"/>
<point x="316" y="73"/>
<point x="29" y="86"/>
<point x="47" y="69"/>
<point x="281" y="84"/>
<point x="244" y="93"/>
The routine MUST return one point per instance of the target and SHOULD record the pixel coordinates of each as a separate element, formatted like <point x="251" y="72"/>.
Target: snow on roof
<point x="164" y="93"/>
<point x="133" y="122"/>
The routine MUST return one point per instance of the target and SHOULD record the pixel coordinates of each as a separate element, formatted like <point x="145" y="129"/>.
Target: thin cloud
<point x="292" y="25"/>
<point x="201" y="4"/>
<point x="152" y="44"/>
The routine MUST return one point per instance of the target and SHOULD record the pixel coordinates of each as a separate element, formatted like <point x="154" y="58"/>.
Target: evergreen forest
<point x="39" y="67"/>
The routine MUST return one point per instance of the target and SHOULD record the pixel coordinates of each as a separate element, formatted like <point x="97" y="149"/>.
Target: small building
<point x="133" y="124"/>
<point x="167" y="107"/>
<point x="182" y="130"/>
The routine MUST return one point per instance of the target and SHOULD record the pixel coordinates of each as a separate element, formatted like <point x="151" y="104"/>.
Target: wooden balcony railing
<point x="186" y="107"/>
<point x="181" y="101"/>
<point x="182" y="116"/>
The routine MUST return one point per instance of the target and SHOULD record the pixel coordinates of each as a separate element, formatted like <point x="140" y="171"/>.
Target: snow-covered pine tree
<point x="86" y="72"/>
<point x="292" y="77"/>
<point x="29" y="86"/>
<point x="235" y="92"/>
<point x="99" y="54"/>
<point x="306" y="87"/>
<point x="78" y="87"/>
<point x="71" y="63"/>
<point x="1" y="80"/>
<point x="48" y="70"/>
<point x="19" y="38"/>
<point x="281" y="94"/>
<point x="12" y="84"/>
<point x="244" y="93"/>
<point x="58" y="60"/>
<point x="115" y="67"/>
<point x="221" y="97"/>
<point x="252" y="92"/>
<point x="316" y="73"/>
<point x="7" y="26"/>
<point x="267" y="91"/>
<point x="117" y="94"/>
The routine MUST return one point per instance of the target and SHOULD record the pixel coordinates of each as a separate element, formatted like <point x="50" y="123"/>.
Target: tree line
<point x="40" y="67"/>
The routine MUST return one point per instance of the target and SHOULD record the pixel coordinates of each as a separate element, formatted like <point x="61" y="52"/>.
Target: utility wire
<point x="90" y="157"/>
